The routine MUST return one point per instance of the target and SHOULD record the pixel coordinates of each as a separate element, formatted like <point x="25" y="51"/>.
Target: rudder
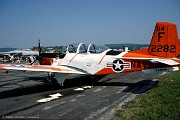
<point x="164" y="42"/>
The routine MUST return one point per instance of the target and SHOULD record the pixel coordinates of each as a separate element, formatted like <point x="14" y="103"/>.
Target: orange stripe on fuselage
<point x="73" y="58"/>
<point x="101" y="59"/>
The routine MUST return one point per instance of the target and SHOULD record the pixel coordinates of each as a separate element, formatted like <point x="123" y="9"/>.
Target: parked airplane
<point x="45" y="58"/>
<point x="23" y="52"/>
<point x="161" y="55"/>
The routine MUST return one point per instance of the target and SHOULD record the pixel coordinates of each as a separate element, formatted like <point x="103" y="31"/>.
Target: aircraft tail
<point x="164" y="42"/>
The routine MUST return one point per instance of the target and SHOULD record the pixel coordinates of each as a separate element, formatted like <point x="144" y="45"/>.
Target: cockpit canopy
<point x="85" y="48"/>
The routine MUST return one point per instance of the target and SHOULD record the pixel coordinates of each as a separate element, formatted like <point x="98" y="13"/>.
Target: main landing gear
<point x="50" y="79"/>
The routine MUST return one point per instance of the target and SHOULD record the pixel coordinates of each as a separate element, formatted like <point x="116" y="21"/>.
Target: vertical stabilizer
<point x="165" y="41"/>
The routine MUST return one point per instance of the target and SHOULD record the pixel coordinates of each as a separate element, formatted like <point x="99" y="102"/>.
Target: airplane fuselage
<point x="102" y="63"/>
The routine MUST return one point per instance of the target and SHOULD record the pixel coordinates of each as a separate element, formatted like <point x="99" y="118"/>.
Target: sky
<point x="62" y="22"/>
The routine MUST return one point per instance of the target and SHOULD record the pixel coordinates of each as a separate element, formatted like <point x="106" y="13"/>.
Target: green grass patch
<point x="160" y="103"/>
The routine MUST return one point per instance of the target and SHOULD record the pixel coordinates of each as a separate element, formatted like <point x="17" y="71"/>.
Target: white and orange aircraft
<point x="161" y="55"/>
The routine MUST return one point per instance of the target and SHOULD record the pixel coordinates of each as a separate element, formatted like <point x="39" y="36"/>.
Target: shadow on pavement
<point x="136" y="88"/>
<point x="39" y="88"/>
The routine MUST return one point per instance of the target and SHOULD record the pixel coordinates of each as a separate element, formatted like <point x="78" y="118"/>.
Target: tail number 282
<point x="161" y="48"/>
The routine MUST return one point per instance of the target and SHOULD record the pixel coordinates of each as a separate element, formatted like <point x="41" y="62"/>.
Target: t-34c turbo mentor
<point x="161" y="55"/>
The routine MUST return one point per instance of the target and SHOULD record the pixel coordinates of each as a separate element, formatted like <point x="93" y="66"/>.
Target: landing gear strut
<point x="50" y="79"/>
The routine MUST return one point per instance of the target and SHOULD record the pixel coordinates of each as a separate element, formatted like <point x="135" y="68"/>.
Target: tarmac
<point x="25" y="95"/>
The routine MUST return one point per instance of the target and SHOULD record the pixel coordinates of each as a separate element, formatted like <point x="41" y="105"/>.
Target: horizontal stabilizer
<point x="165" y="61"/>
<point x="167" y="69"/>
<point x="154" y="60"/>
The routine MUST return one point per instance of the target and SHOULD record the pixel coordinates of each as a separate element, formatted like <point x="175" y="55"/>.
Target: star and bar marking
<point x="119" y="65"/>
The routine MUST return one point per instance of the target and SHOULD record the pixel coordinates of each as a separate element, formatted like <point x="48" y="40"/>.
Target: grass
<point x="160" y="103"/>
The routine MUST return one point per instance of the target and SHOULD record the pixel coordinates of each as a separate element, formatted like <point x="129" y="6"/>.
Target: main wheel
<point x="51" y="80"/>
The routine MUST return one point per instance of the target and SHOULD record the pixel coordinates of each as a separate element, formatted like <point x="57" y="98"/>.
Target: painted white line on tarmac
<point x="52" y="97"/>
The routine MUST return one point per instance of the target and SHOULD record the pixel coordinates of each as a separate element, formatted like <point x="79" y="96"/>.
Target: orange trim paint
<point x="73" y="58"/>
<point x="101" y="59"/>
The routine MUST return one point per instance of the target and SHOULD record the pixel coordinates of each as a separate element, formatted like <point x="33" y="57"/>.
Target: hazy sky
<point x="61" y="22"/>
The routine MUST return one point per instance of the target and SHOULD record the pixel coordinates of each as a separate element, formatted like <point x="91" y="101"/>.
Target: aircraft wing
<point x="45" y="68"/>
<point x="155" y="60"/>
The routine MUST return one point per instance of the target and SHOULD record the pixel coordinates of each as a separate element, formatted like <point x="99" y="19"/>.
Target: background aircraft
<point x="23" y="52"/>
<point x="45" y="58"/>
<point x="17" y="54"/>
<point x="162" y="55"/>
